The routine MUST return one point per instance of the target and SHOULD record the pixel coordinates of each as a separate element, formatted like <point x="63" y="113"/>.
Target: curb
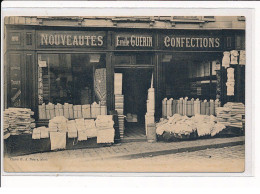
<point x="177" y="150"/>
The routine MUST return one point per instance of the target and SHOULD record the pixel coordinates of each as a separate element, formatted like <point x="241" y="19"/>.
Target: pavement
<point x="204" y="155"/>
<point x="133" y="150"/>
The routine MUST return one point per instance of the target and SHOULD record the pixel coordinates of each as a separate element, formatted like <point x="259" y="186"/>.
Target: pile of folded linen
<point x="18" y="121"/>
<point x="232" y="114"/>
<point x="183" y="125"/>
<point x="105" y="129"/>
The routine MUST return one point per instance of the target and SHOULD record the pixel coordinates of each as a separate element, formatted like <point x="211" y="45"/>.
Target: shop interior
<point x="191" y="75"/>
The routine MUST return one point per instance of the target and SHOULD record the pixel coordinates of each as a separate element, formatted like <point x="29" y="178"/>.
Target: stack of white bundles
<point x="103" y="110"/>
<point x="82" y="131"/>
<point x="58" y="140"/>
<point x="59" y="110"/>
<point x="6" y="126"/>
<point x="77" y="111"/>
<point x="36" y="133"/>
<point x="169" y="107"/>
<point x="71" y="116"/>
<point x="72" y="129"/>
<point x="105" y="129"/>
<point x="18" y="121"/>
<point x="164" y="108"/>
<point x="183" y="125"/>
<point x="50" y="110"/>
<point x="230" y="82"/>
<point x="40" y="132"/>
<point x="95" y="110"/>
<point x="197" y="106"/>
<point x="86" y="111"/>
<point x="237" y="113"/>
<point x="42" y="111"/>
<point x="58" y="124"/>
<point x="91" y="128"/>
<point x="119" y="104"/>
<point x="223" y="115"/>
<point x="66" y="110"/>
<point x="234" y="57"/>
<point x="118" y="81"/>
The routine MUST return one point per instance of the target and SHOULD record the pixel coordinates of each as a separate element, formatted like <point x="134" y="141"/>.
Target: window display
<point x="71" y="78"/>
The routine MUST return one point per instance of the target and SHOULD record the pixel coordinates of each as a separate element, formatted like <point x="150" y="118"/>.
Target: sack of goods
<point x="231" y="114"/>
<point x="182" y="126"/>
<point x="105" y="129"/>
<point x="18" y="121"/>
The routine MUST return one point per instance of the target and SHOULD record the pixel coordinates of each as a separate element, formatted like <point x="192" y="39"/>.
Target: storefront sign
<point x="71" y="39"/>
<point x="134" y="41"/>
<point x="178" y="42"/>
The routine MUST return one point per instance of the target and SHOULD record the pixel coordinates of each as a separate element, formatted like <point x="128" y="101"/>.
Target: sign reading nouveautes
<point x="71" y="39"/>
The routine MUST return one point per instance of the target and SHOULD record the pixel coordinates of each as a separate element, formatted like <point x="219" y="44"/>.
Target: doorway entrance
<point x="136" y="82"/>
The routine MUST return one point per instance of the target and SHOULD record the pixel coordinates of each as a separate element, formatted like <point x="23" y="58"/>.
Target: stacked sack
<point x="18" y="121"/>
<point x="105" y="129"/>
<point x="183" y="125"/>
<point x="231" y="114"/>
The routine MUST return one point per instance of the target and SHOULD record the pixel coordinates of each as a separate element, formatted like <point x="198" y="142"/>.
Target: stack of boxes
<point x="119" y="102"/>
<point x="149" y="116"/>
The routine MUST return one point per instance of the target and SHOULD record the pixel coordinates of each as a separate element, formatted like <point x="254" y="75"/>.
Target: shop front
<point x="70" y="71"/>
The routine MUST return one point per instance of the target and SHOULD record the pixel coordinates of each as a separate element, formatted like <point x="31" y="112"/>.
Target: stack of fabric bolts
<point x="232" y="114"/>
<point x="119" y="102"/>
<point x="18" y="121"/>
<point x="105" y="129"/>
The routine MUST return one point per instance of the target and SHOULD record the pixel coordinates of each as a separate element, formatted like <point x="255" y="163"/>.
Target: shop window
<point x="187" y="75"/>
<point x="71" y="78"/>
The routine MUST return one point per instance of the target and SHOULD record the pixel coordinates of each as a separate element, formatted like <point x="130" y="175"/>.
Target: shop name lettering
<point x="134" y="41"/>
<point x="184" y="42"/>
<point x="70" y="40"/>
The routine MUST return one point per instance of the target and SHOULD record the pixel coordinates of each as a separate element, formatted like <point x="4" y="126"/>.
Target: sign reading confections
<point x="71" y="39"/>
<point x="191" y="42"/>
<point x="134" y="41"/>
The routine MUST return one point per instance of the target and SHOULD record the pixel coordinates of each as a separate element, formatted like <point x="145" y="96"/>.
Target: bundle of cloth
<point x="105" y="129"/>
<point x="183" y="125"/>
<point x="18" y="121"/>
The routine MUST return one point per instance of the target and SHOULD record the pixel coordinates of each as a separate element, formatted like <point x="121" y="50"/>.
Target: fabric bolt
<point x="106" y="136"/>
<point x="86" y="111"/>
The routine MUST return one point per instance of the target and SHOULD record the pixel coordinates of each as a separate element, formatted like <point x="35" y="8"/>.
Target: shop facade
<point x="52" y="62"/>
